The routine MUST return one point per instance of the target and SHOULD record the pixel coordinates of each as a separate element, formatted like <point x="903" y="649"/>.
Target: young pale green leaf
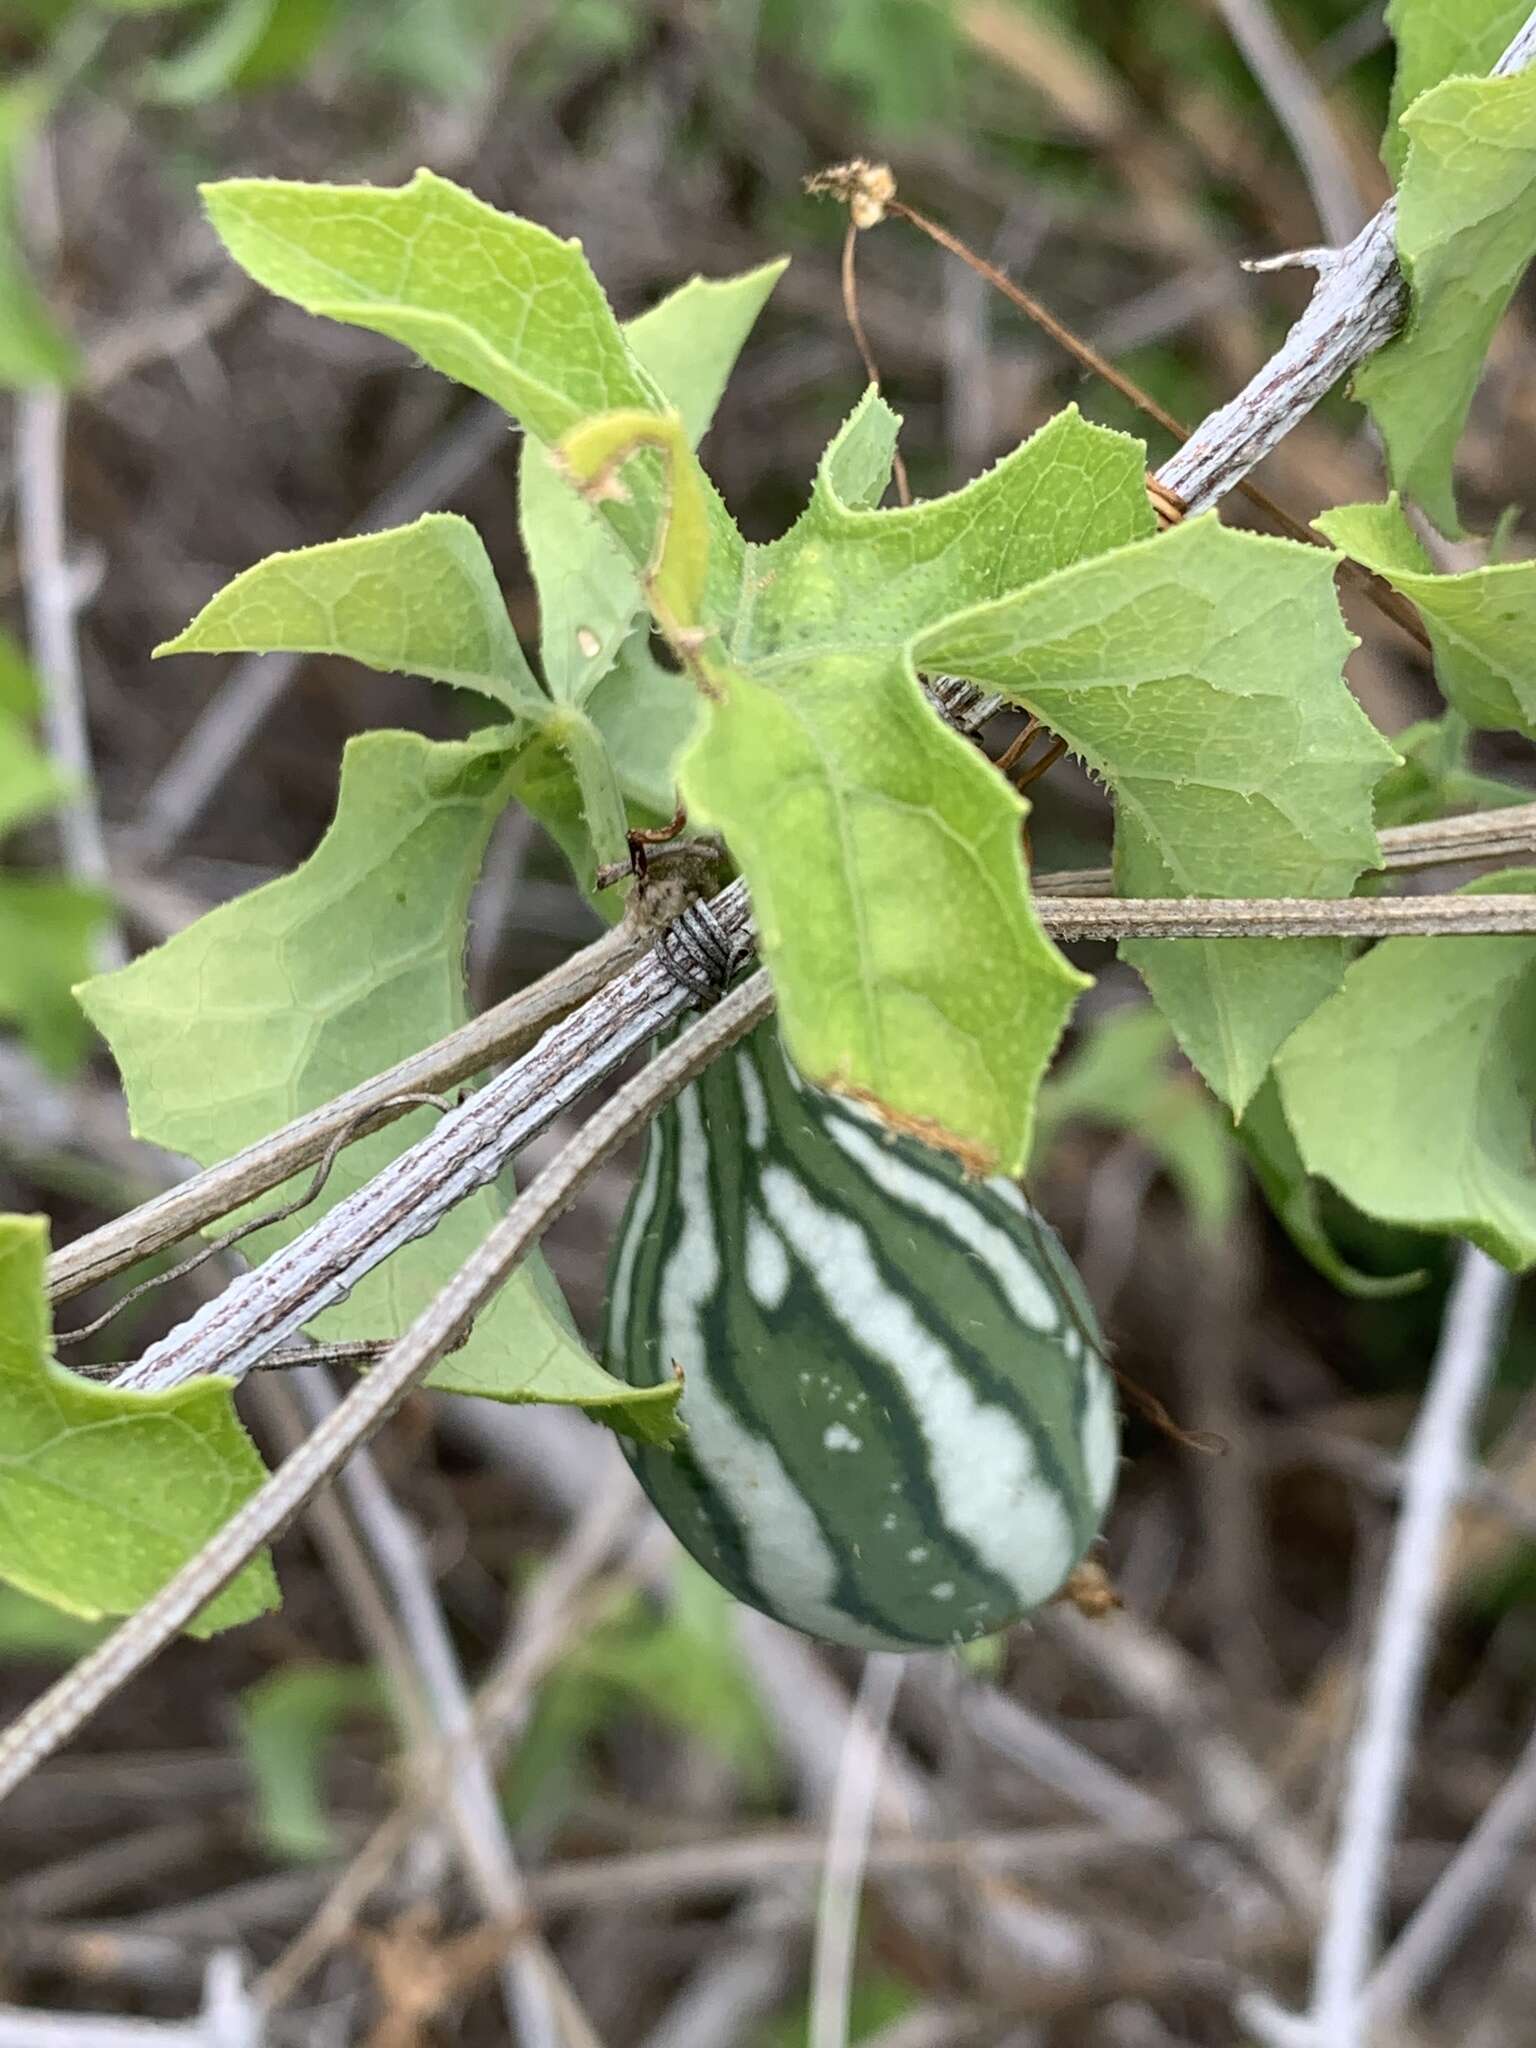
<point x="286" y="1724"/>
<point x="889" y="891"/>
<point x="1121" y="1076"/>
<point x="418" y="600"/>
<point x="46" y="932"/>
<point x="272" y="1004"/>
<point x="1481" y="622"/>
<point x="1200" y="675"/>
<point x="1434" y="780"/>
<point x="597" y="458"/>
<point x="495" y="302"/>
<point x="1466" y="229"/>
<point x="1292" y="1195"/>
<point x="34" y="350"/>
<point x="589" y="595"/>
<point x="104" y="1494"/>
<point x="1442" y="39"/>
<point x="861" y="458"/>
<point x="1412" y="1090"/>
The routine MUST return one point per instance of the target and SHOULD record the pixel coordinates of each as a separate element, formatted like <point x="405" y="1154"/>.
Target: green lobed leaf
<point x="516" y="313"/>
<point x="841" y="795"/>
<point x="47" y="930"/>
<point x="105" y="1494"/>
<point x="1200" y="675"/>
<point x="589" y="592"/>
<point x="1466" y="229"/>
<point x="419" y="599"/>
<point x="493" y="301"/>
<point x="1292" y="1195"/>
<point x="1481" y="622"/>
<point x="889" y="891"/>
<point x="273" y="1004"/>
<point x="1121" y="1077"/>
<point x="847" y="573"/>
<point x="1412" y="1090"/>
<point x="1434" y="780"/>
<point x="1442" y="39"/>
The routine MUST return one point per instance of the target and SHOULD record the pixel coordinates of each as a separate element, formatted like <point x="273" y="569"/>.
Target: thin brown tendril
<point x="1016" y="749"/>
<point x="1036" y="769"/>
<point x="1150" y="1409"/>
<point x="869" y="191"/>
<point x="861" y="343"/>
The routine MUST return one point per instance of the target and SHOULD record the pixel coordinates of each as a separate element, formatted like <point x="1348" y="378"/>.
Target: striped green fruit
<point x="900" y="1431"/>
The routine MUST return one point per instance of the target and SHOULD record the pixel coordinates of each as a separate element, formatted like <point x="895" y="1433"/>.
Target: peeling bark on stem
<point x="1357" y="307"/>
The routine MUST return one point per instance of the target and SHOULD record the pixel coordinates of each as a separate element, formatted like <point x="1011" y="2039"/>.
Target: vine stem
<point x="464" y="1151"/>
<point x="471" y="1145"/>
<point x="1357" y="307"/>
<point x="54" y="1718"/>
<point x="496" y="1034"/>
<point x="512" y="1026"/>
<point x="1286" y="917"/>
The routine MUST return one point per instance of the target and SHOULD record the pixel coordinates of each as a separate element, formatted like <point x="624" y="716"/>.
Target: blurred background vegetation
<point x="1120" y="158"/>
